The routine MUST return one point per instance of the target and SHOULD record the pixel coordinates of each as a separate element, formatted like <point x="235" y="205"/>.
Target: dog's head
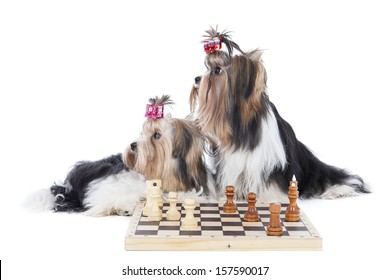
<point x="169" y="149"/>
<point x="227" y="99"/>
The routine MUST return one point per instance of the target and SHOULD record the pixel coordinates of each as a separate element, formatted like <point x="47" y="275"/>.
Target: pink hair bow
<point x="154" y="111"/>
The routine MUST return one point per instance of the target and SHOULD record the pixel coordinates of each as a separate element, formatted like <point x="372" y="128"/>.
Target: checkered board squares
<point x="219" y="231"/>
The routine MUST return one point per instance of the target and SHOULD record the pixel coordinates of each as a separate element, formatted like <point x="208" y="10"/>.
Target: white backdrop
<point x="74" y="80"/>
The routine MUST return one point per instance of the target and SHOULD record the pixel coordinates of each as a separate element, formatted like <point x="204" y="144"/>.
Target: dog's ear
<point x="243" y="74"/>
<point x="182" y="140"/>
<point x="188" y="151"/>
<point x="193" y="98"/>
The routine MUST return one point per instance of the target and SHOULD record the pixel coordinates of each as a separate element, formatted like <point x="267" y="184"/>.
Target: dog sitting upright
<point x="257" y="150"/>
<point x="169" y="149"/>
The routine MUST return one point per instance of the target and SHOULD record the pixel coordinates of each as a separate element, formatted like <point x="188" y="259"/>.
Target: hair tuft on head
<point x="225" y="38"/>
<point x="163" y="100"/>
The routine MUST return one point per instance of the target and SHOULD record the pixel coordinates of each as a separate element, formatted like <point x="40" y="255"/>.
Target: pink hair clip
<point x="154" y="111"/>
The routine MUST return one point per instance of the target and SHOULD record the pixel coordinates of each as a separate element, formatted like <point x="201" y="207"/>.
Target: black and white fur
<point x="97" y="188"/>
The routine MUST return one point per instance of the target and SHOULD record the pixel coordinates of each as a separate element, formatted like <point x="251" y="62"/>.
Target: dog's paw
<point x="339" y="191"/>
<point x="122" y="212"/>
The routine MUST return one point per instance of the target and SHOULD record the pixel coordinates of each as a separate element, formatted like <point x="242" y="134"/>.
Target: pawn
<point x="229" y="206"/>
<point x="172" y="214"/>
<point x="274" y="228"/>
<point x="251" y="215"/>
<point x="189" y="221"/>
<point x="293" y="211"/>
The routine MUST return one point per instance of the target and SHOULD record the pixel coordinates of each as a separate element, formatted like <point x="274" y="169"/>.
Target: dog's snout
<point x="197" y="80"/>
<point x="133" y="146"/>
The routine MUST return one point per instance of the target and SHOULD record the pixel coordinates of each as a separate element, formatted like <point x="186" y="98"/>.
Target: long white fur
<point x="116" y="194"/>
<point x="41" y="200"/>
<point x="245" y="168"/>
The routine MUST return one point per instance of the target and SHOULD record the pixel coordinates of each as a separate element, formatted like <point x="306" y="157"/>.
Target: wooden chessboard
<point x="220" y="231"/>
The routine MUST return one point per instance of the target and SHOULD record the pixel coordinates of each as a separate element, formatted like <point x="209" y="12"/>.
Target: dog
<point x="172" y="150"/>
<point x="255" y="149"/>
<point x="169" y="149"/>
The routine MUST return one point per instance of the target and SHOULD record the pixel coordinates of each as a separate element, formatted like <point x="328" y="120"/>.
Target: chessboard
<point x="220" y="231"/>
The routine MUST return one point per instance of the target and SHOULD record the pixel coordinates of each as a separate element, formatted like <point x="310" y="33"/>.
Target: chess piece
<point x="154" y="211"/>
<point x="157" y="183"/>
<point x="229" y="206"/>
<point x="189" y="221"/>
<point x="172" y="214"/>
<point x="149" y="185"/>
<point x="274" y="228"/>
<point x="251" y="215"/>
<point x="293" y="211"/>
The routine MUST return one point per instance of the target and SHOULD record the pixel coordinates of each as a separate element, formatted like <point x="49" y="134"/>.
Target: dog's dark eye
<point x="217" y="71"/>
<point x="156" y="135"/>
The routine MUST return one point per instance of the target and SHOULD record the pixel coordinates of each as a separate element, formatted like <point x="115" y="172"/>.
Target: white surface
<point x="74" y="80"/>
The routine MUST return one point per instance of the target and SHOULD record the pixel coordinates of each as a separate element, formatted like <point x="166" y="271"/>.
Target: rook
<point x="274" y="228"/>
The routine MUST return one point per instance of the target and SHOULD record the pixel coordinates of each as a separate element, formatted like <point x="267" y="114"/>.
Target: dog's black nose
<point x="133" y="146"/>
<point x="197" y="79"/>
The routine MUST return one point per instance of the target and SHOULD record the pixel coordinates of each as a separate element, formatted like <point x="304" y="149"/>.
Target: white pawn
<point x="189" y="221"/>
<point x="172" y="214"/>
<point x="154" y="211"/>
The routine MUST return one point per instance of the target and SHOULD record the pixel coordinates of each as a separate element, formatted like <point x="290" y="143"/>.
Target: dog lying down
<point x="169" y="149"/>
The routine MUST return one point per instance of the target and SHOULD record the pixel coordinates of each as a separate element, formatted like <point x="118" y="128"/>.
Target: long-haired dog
<point x="172" y="150"/>
<point x="256" y="149"/>
<point x="169" y="149"/>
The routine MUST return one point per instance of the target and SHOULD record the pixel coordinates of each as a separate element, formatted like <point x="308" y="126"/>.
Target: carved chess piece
<point x="274" y="228"/>
<point x="229" y="206"/>
<point x="189" y="221"/>
<point x="293" y="211"/>
<point x="154" y="211"/>
<point x="251" y="215"/>
<point x="149" y="185"/>
<point x="172" y="214"/>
